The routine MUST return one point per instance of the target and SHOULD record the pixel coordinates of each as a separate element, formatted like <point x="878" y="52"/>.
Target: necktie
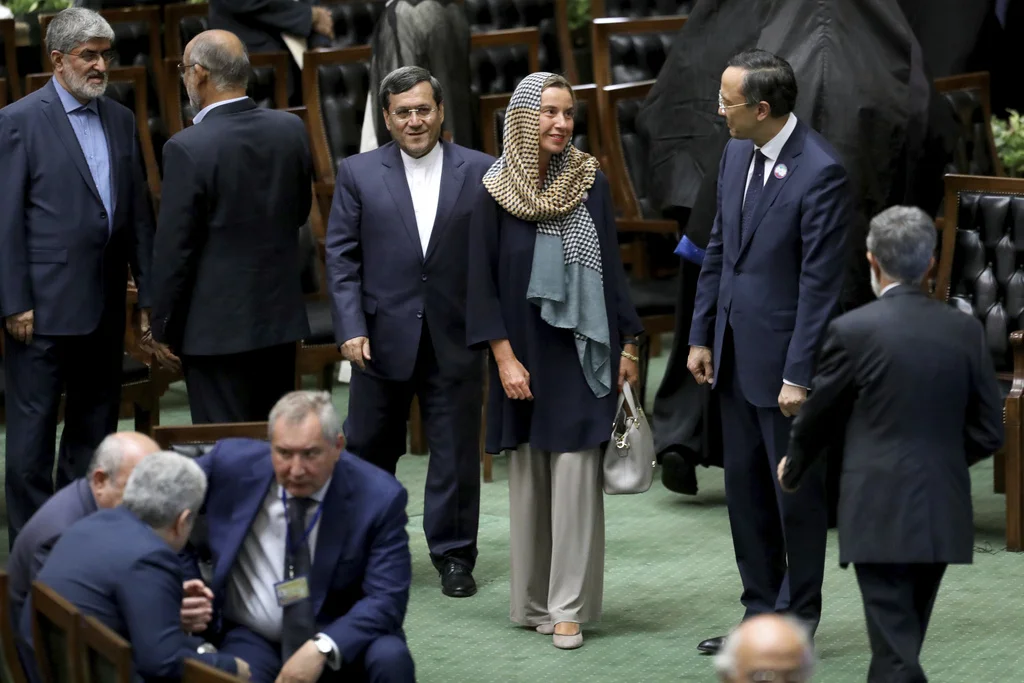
<point x="754" y="189"/>
<point x="297" y="624"/>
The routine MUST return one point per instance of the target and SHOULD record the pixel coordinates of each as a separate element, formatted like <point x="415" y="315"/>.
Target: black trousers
<point x="238" y="387"/>
<point x="779" y="537"/>
<point x="898" y="601"/>
<point x="375" y="430"/>
<point x="88" y="369"/>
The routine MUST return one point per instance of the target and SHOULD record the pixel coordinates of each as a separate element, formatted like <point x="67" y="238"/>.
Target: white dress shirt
<point x="251" y="600"/>
<point x="424" y="178"/>
<point x="206" y="110"/>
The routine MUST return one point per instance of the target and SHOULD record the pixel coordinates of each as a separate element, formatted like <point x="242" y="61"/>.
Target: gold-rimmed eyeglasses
<point x="403" y="114"/>
<point x="722" y="106"/>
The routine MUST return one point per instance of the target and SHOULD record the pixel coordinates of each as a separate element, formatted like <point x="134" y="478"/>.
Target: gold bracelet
<point x="630" y="357"/>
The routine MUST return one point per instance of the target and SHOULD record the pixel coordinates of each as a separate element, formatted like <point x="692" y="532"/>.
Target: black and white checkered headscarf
<point x="566" y="281"/>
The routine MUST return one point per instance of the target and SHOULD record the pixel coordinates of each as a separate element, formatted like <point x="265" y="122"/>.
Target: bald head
<point x="113" y="462"/>
<point x="217" y="60"/>
<point x="766" y="643"/>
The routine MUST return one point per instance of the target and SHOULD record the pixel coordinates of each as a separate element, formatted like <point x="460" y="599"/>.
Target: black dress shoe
<point x="711" y="646"/>
<point x="678" y="474"/>
<point x="457" y="580"/>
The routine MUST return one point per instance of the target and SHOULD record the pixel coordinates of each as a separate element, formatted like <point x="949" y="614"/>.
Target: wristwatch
<point x="326" y="648"/>
<point x="206" y="649"/>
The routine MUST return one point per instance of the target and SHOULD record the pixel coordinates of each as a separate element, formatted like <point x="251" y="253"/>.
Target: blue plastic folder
<point x="690" y="251"/>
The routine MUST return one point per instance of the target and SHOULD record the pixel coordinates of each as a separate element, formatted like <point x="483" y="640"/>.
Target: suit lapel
<point x="398" y="186"/>
<point x="736" y="207"/>
<point x="330" y="537"/>
<point x="59" y="120"/>
<point x="452" y="179"/>
<point x="253" y="488"/>
<point x="790" y="156"/>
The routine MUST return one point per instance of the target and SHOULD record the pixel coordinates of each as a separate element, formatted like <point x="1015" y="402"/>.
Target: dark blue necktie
<point x="298" y="622"/>
<point x="753" y="195"/>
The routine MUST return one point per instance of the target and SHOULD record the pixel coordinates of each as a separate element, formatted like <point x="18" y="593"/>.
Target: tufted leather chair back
<point x="497" y="66"/>
<point x="981" y="264"/>
<point x="354" y="21"/>
<point x="630" y="51"/>
<point x="628" y="149"/>
<point x="190" y="27"/>
<point x="493" y="15"/>
<point x="640" y="8"/>
<point x="334" y="87"/>
<point x="968" y="97"/>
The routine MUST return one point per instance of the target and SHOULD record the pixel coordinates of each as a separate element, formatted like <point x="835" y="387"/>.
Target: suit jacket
<point x="60" y="256"/>
<point x="908" y="385"/>
<point x="237" y="189"/>
<point x="259" y="23"/>
<point x="382" y="286"/>
<point x="362" y="568"/>
<point x="36" y="540"/>
<point x="112" y="566"/>
<point x="778" y="286"/>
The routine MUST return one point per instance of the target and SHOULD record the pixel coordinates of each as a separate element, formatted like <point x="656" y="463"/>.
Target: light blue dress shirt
<point x="198" y="118"/>
<point x="88" y="127"/>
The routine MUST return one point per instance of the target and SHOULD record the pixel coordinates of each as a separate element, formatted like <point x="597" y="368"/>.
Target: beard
<point x="80" y="87"/>
<point x="876" y="286"/>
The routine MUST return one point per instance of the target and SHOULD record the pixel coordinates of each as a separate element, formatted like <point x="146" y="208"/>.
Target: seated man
<point x="121" y="566"/>
<point x="311" y="558"/>
<point x="112" y="463"/>
<point x="768" y="647"/>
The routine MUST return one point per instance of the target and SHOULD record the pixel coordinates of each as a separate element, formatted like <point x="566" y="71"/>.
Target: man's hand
<point x="196" y="606"/>
<point x="791" y="398"/>
<point x="165" y="357"/>
<point x="305" y="666"/>
<point x="323" y="22"/>
<point x="21" y="326"/>
<point x="700" y="365"/>
<point x="356" y="350"/>
<point x="243" y="669"/>
<point x="781" y="471"/>
<point x="629" y="369"/>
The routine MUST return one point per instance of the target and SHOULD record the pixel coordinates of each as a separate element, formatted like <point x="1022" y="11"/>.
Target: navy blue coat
<point x="564" y="415"/>
<point x="780" y="286"/>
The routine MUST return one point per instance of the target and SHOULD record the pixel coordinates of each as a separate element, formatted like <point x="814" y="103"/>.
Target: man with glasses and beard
<point x="75" y="214"/>
<point x="227" y="287"/>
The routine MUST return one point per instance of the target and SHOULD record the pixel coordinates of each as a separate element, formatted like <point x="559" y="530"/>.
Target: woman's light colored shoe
<point x="546" y="629"/>
<point x="565" y="642"/>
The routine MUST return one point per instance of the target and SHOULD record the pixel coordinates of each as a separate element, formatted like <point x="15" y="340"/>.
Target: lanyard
<point x="289" y="548"/>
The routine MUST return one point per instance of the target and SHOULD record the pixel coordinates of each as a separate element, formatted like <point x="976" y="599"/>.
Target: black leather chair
<point x="630" y="51"/>
<point x="981" y="272"/>
<point x="498" y="60"/>
<point x="968" y="97"/>
<point x="354" y="20"/>
<point x="635" y="9"/>
<point x="493" y="15"/>
<point x="334" y="88"/>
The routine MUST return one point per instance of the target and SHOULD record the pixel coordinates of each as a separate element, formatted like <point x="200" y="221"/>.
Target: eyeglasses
<point x="422" y="113"/>
<point x="91" y="56"/>
<point x="722" y="106"/>
<point x="182" y="68"/>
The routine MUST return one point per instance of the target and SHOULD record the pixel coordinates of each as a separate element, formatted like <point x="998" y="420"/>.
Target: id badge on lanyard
<point x="294" y="588"/>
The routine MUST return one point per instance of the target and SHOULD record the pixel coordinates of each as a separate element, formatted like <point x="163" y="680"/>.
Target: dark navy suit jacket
<point x="382" y="285"/>
<point x="362" y="567"/>
<point x="58" y="254"/>
<point x="114" y="567"/>
<point x="779" y="286"/>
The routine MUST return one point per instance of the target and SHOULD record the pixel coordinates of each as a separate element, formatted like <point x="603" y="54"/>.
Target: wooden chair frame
<point x="173" y="16"/>
<point x="979" y="81"/>
<point x="1008" y="465"/>
<point x="508" y="37"/>
<point x="564" y="36"/>
<point x="489" y="104"/>
<point x="10" y="649"/>
<point x="603" y="29"/>
<point x="195" y="671"/>
<point x="10" y="37"/>
<point x="182" y="435"/>
<point x="98" y="640"/>
<point x="3" y="93"/>
<point x="63" y="614"/>
<point x="615" y="158"/>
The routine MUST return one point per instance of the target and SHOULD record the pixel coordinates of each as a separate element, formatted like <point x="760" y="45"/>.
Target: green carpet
<point x="671" y="581"/>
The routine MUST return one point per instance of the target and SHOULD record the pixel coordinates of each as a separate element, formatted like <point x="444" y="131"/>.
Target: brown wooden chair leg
<point x="488" y="467"/>
<point x="999" y="472"/>
<point x="1013" y="468"/>
<point x="655" y="345"/>
<point x="417" y="435"/>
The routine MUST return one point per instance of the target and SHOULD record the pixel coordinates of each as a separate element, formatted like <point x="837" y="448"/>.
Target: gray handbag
<point x="629" y="459"/>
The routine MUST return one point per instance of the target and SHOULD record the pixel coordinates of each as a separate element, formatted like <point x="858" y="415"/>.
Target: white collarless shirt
<point x="771" y="150"/>
<point x="424" y="178"/>
<point x="198" y="118"/>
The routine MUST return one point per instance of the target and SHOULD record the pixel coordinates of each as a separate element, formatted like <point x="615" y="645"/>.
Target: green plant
<point x="579" y="14"/>
<point x="1009" y="139"/>
<point x="21" y="8"/>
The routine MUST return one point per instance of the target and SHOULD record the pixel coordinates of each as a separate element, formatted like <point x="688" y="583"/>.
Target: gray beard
<point x="876" y="286"/>
<point x="82" y="89"/>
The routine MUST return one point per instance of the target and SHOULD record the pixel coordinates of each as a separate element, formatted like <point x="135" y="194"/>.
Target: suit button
<point x="103" y="215"/>
<point x="419" y="314"/>
<point x="423" y="277"/>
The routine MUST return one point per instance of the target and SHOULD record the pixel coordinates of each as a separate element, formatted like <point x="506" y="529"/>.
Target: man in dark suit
<point x="226" y="277"/>
<point x="768" y="285"/>
<point x="397" y="259"/>
<point x="907" y="386"/>
<point x="101" y="489"/>
<point x="121" y="566"/>
<point x="311" y="557"/>
<point x="75" y="214"/>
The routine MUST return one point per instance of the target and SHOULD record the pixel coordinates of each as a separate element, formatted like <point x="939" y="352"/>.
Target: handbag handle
<point x="627" y="396"/>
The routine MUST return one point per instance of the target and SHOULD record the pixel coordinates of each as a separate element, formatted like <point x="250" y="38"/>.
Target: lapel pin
<point x="781" y="171"/>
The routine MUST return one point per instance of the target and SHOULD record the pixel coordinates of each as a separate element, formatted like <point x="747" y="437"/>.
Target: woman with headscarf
<point x="547" y="294"/>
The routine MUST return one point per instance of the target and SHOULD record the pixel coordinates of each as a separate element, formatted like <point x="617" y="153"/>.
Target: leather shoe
<point x="711" y="646"/>
<point x="678" y="473"/>
<point x="457" y="580"/>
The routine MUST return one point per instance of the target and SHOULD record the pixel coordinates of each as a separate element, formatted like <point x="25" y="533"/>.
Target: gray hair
<point x="74" y="26"/>
<point x="902" y="239"/>
<point x="162" y="486"/>
<point x="404" y="79"/>
<point x="295" y="406"/>
<point x="228" y="69"/>
<point x="725" y="660"/>
<point x="108" y="456"/>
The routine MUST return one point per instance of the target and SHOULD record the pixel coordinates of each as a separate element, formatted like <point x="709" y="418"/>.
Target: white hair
<point x="295" y="406"/>
<point x="109" y="455"/>
<point x="74" y="26"/>
<point x="725" y="661"/>
<point x="162" y="486"/>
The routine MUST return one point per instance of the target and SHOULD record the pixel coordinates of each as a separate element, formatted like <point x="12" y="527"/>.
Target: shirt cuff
<point x="786" y="381"/>
<point x="333" y="659"/>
